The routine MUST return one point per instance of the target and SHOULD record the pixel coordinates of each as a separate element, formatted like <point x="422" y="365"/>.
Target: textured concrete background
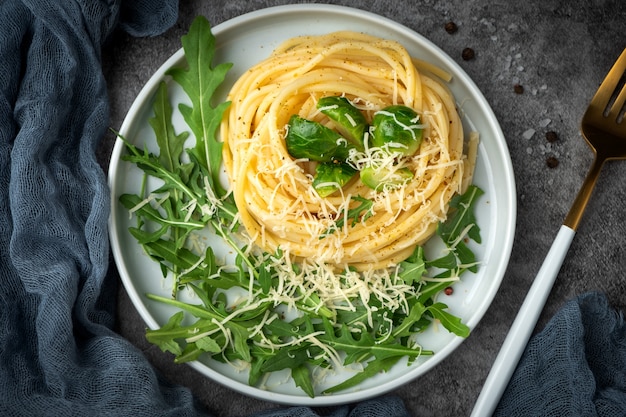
<point x="559" y="51"/>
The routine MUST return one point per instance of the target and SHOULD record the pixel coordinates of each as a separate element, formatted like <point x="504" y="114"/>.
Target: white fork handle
<point x="521" y="329"/>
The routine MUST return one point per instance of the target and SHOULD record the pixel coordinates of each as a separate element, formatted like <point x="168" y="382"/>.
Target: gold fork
<point x="604" y="128"/>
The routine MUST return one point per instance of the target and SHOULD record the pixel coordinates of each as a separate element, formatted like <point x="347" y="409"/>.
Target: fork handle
<point x="525" y="321"/>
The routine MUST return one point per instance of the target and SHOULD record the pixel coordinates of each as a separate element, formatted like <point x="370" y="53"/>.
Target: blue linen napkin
<point x="58" y="352"/>
<point x="576" y="366"/>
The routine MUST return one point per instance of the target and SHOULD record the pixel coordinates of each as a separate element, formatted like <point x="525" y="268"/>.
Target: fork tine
<point x="610" y="83"/>
<point x="616" y="112"/>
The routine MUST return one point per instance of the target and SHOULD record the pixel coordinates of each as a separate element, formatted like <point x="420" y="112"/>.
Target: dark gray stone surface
<point x="559" y="51"/>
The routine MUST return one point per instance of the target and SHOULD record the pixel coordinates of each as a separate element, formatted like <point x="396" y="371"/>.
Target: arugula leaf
<point x="170" y="143"/>
<point x="287" y="358"/>
<point x="372" y="368"/>
<point x="240" y="342"/>
<point x="152" y="214"/>
<point x="190" y="353"/>
<point x="302" y="377"/>
<point x="462" y="217"/>
<point x="449" y="321"/>
<point x="167" y="344"/>
<point x="447" y="261"/>
<point x="431" y="289"/>
<point x="151" y="166"/>
<point x="200" y="80"/>
<point x="209" y="317"/>
<point x="361" y="348"/>
<point x="207" y="344"/>
<point x="405" y="327"/>
<point x="466" y="257"/>
<point x="413" y="267"/>
<point x="259" y="356"/>
<point x="360" y="213"/>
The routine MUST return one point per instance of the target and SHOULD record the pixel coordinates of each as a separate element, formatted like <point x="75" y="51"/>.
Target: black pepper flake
<point x="518" y="88"/>
<point x="451" y="27"/>
<point x="552" y="162"/>
<point x="467" y="54"/>
<point x="551" y="136"/>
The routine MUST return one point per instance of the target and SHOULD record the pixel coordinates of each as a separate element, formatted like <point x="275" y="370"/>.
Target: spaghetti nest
<point x="280" y="209"/>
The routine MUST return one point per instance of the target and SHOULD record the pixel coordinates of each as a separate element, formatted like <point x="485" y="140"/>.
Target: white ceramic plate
<point x="248" y="39"/>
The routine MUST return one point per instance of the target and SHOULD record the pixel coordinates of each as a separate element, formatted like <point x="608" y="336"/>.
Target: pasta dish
<point x="344" y="156"/>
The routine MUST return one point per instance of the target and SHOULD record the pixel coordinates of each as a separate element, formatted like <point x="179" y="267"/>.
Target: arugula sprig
<point x="200" y="80"/>
<point x="190" y="197"/>
<point x="460" y="225"/>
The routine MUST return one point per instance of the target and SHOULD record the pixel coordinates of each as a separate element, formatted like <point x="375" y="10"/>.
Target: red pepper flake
<point x="451" y="27"/>
<point x="518" y="88"/>
<point x="448" y="291"/>
<point x="467" y="54"/>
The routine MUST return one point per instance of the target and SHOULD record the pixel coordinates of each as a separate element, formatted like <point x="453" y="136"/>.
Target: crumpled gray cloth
<point x="576" y="366"/>
<point x="58" y="353"/>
